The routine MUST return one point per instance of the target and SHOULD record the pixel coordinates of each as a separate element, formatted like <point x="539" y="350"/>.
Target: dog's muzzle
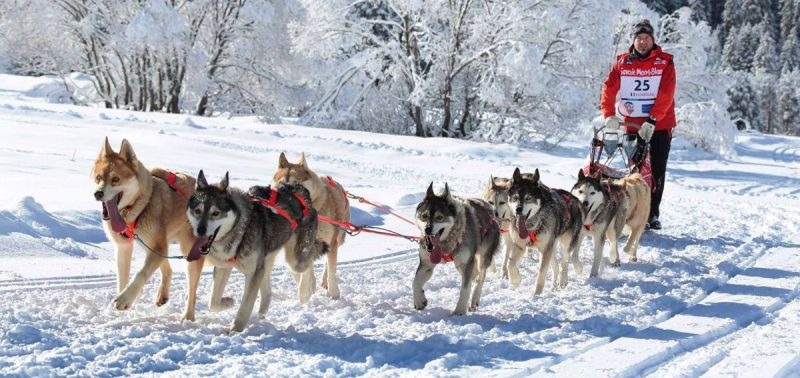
<point x="201" y="246"/>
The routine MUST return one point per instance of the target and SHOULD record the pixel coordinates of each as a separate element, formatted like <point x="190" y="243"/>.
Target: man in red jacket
<point x="645" y="78"/>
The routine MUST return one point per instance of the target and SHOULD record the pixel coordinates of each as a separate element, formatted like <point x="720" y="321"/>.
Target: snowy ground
<point x="715" y="292"/>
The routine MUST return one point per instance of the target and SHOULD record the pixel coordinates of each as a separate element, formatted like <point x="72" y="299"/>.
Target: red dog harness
<point x="333" y="183"/>
<point x="272" y="205"/>
<point x="172" y="179"/>
<point x="448" y="257"/>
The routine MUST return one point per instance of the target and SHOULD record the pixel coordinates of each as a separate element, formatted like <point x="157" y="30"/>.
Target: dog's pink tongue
<point x="435" y="248"/>
<point x="117" y="223"/>
<point x="522" y="229"/>
<point x="194" y="253"/>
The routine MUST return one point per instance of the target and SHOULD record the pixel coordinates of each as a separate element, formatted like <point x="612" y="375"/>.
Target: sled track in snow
<point x="109" y="280"/>
<point x="545" y="368"/>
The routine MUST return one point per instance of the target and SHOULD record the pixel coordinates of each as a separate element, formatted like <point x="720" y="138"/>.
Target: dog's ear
<point x="446" y="193"/>
<point x="201" y="180"/>
<point x="517" y="176"/>
<point x="491" y="182"/>
<point x="126" y="151"/>
<point x="581" y="176"/>
<point x="429" y="193"/>
<point x="224" y="183"/>
<point x="536" y="176"/>
<point x="282" y="161"/>
<point x="107" y="149"/>
<point x="303" y="160"/>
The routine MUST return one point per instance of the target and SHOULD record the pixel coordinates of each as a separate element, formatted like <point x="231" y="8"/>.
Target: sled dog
<point x="459" y="230"/>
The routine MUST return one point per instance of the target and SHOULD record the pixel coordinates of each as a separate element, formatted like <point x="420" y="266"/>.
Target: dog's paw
<point x="304" y="296"/>
<point x="474" y="307"/>
<point x="616" y="264"/>
<point x="161" y="299"/>
<point x="633" y="259"/>
<point x="459" y="312"/>
<point x="188" y="317"/>
<point x="237" y="326"/>
<point x="420" y="303"/>
<point x="123" y="302"/>
<point x="333" y="291"/>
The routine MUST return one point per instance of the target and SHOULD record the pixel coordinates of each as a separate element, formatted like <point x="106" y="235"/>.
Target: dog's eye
<point x="424" y="217"/>
<point x="592" y="193"/>
<point x="439" y="218"/>
<point x="528" y="198"/>
<point x="198" y="212"/>
<point x="98" y="178"/>
<point x="515" y="198"/>
<point x="215" y="213"/>
<point x="580" y="192"/>
<point x="115" y="181"/>
<point x="502" y="203"/>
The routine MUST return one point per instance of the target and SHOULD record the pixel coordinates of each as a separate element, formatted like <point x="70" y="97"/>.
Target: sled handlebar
<point x="625" y="124"/>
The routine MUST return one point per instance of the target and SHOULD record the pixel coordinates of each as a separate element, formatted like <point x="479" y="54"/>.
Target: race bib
<point x="638" y="90"/>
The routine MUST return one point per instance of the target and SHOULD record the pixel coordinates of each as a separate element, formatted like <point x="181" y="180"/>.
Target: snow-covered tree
<point x="744" y="102"/>
<point x="789" y="102"/>
<point x="486" y="70"/>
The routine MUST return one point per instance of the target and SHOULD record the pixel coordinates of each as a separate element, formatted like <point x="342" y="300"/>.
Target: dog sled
<point x="612" y="145"/>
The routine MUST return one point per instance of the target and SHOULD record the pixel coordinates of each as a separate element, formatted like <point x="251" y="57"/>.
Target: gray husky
<point x="496" y="194"/>
<point x="611" y="205"/>
<point x="459" y="230"/>
<point x="544" y="216"/>
<point x="245" y="231"/>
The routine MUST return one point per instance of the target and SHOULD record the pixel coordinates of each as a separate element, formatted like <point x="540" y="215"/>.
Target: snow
<point x="721" y="277"/>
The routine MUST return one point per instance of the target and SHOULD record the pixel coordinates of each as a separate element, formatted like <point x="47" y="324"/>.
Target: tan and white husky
<point x="139" y="204"/>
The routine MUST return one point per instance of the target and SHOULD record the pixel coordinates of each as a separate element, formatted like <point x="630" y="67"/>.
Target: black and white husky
<point x="245" y="230"/>
<point x="543" y="218"/>
<point x="459" y="230"/>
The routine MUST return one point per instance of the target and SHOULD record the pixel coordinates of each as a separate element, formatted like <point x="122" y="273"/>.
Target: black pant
<point x="659" y="154"/>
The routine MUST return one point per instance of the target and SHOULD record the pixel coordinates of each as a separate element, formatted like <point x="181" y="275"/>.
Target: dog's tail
<point x="184" y="183"/>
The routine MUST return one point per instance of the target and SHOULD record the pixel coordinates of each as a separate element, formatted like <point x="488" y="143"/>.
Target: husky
<point x="543" y="217"/>
<point x="245" y="231"/>
<point x="611" y="205"/>
<point x="458" y="230"/>
<point x="496" y="194"/>
<point x="330" y="200"/>
<point x="148" y="205"/>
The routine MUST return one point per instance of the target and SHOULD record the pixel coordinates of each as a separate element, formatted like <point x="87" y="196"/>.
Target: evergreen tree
<point x="730" y="56"/>
<point x="766" y="90"/>
<point x="787" y="19"/>
<point x="744" y="99"/>
<point x="788" y="102"/>
<point x="790" y="51"/>
<point x="701" y="11"/>
<point x="752" y="12"/>
<point x="731" y="19"/>
<point x="766" y="56"/>
<point x="749" y="41"/>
